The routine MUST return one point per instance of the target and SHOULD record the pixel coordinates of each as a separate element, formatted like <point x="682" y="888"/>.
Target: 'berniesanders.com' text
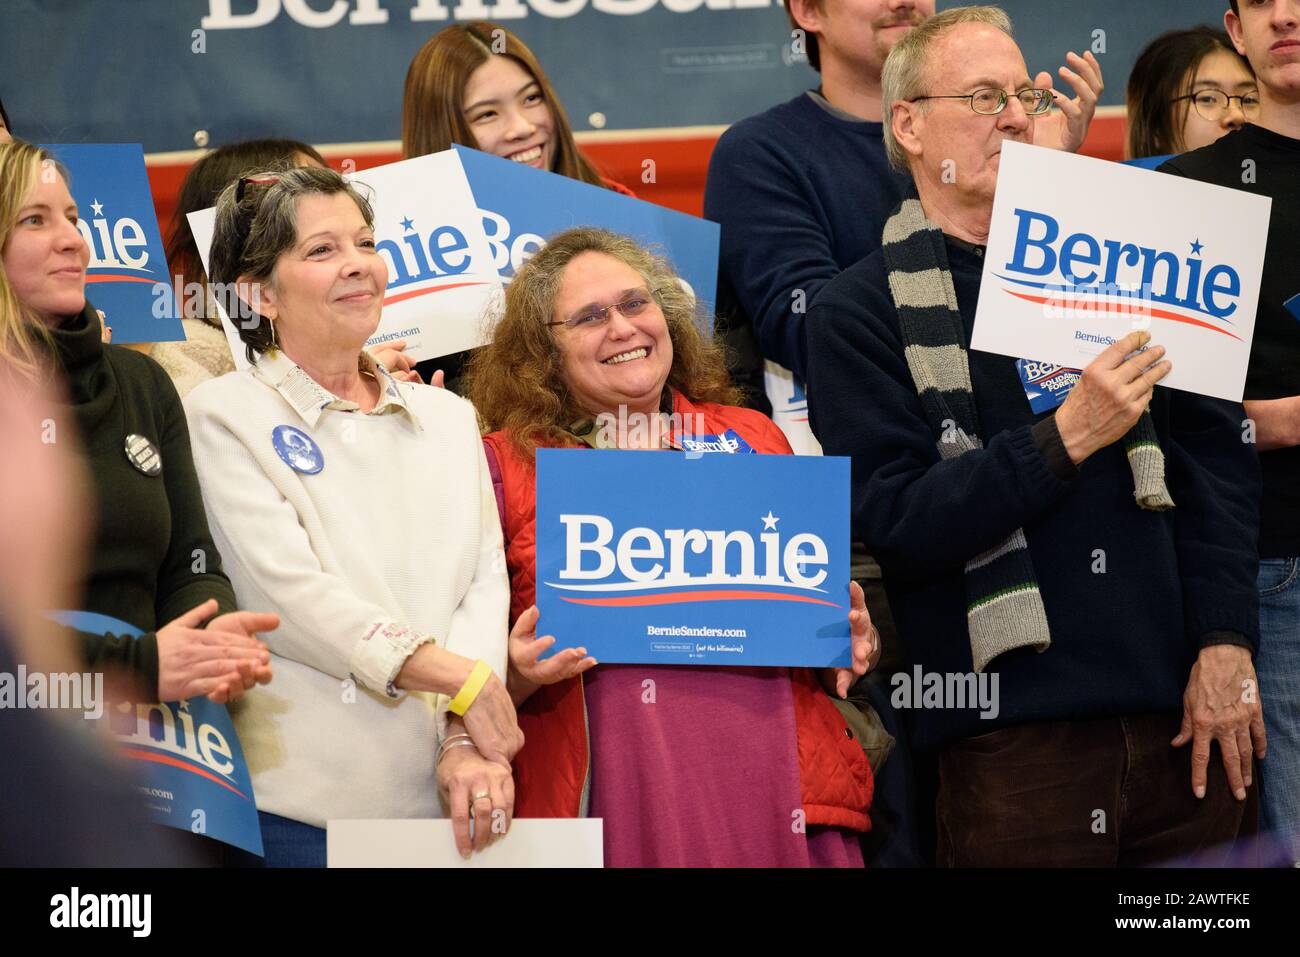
<point x="684" y="631"/>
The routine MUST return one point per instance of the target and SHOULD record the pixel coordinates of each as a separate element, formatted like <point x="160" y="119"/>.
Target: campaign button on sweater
<point x="297" y="449"/>
<point x="143" y="454"/>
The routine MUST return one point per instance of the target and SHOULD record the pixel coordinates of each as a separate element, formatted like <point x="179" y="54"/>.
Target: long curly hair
<point x="517" y="382"/>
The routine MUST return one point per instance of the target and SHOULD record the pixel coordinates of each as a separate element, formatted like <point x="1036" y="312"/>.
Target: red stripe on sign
<point x="1118" y="307"/>
<point x="121" y="279"/>
<point x="673" y="598"/>
<point x="424" y="292"/>
<point x="138" y="755"/>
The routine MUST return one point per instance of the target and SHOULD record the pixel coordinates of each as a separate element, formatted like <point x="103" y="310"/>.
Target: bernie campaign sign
<point x="522" y="206"/>
<point x="186" y="756"/>
<point x="127" y="277"/>
<point x="711" y="559"/>
<point x="1071" y="270"/>
<point x="443" y="291"/>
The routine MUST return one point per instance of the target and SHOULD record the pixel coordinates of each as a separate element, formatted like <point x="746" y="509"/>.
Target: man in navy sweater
<point x="1066" y="640"/>
<point x="802" y="190"/>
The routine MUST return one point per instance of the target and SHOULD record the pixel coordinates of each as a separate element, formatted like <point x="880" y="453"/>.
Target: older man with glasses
<point x="1075" y="588"/>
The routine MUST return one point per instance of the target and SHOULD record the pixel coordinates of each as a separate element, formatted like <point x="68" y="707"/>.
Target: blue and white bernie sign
<point x="715" y="560"/>
<point x="127" y="277"/>
<point x="1082" y="252"/>
<point x="522" y="207"/>
<point x="186" y="756"/>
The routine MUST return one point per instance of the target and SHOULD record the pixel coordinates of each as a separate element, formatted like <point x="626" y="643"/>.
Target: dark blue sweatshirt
<point x="801" y="194"/>
<point x="1131" y="595"/>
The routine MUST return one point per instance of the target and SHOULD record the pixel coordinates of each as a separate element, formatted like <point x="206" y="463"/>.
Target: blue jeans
<point x="288" y="843"/>
<point x="1278" y="667"/>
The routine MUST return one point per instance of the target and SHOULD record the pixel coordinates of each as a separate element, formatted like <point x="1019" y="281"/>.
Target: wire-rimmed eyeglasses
<point x="989" y="102"/>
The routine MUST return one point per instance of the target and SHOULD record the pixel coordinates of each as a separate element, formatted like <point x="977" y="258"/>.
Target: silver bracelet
<point x="449" y="744"/>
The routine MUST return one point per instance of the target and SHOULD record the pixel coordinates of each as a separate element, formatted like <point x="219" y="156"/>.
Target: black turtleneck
<point x="152" y="557"/>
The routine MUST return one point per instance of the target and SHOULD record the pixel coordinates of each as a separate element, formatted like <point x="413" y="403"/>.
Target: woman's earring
<point x="275" y="343"/>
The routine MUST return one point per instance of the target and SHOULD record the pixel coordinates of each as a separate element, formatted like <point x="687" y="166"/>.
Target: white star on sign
<point x="769" y="521"/>
<point x="185" y="704"/>
<point x="98" y="207"/>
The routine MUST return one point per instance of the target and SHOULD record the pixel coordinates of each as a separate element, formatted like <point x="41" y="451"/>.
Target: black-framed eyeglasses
<point x="630" y="306"/>
<point x="990" y="102"/>
<point x="1213" y="105"/>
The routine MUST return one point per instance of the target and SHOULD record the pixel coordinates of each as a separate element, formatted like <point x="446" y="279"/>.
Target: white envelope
<point x="531" y="842"/>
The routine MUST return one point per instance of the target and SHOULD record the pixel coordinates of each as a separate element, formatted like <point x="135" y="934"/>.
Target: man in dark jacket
<point x="1076" y="588"/>
<point x="1264" y="157"/>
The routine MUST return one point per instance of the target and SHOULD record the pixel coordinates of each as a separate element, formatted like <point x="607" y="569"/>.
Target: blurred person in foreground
<point x="66" y="802"/>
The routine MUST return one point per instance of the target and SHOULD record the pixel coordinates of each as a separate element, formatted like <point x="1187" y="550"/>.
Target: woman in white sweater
<point x="361" y="510"/>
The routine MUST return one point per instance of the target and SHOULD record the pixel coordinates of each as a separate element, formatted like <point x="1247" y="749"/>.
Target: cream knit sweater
<point x="394" y="542"/>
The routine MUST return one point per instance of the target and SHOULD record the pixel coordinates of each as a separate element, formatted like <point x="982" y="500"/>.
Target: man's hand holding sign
<point x="1111" y="395"/>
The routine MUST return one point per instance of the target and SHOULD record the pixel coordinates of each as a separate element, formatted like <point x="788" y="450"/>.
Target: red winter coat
<point x="551" y="769"/>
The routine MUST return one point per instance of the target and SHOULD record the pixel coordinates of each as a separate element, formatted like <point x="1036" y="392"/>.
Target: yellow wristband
<point x="469" y="690"/>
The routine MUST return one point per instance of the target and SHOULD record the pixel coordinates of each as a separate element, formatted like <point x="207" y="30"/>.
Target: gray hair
<point x="257" y="220"/>
<point x="906" y="71"/>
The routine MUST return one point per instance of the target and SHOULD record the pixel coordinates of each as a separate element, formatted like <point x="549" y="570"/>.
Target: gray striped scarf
<point x="1004" y="607"/>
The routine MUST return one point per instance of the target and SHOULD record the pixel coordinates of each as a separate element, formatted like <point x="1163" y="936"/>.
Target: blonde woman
<point x="152" y="561"/>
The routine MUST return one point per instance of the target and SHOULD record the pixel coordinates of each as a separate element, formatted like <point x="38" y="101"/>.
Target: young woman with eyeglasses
<point x="1187" y="89"/>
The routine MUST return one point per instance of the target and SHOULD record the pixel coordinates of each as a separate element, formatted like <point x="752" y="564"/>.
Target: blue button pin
<point x="297" y="449"/>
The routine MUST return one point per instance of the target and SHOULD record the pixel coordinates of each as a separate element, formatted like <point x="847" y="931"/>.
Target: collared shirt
<point x="310" y="399"/>
<point x="596" y="432"/>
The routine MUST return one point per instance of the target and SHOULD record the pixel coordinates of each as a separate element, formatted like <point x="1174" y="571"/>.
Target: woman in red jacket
<point x="688" y="766"/>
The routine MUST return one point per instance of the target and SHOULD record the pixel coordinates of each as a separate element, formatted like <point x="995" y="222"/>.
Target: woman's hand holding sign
<point x="866" y="647"/>
<point x="1112" y="393"/>
<point x="527" y="674"/>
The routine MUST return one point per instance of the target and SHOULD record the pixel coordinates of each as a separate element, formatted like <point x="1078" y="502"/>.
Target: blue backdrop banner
<point x="127" y="277"/>
<point x="186" y="757"/>
<point x="704" y="559"/>
<point x="176" y="74"/>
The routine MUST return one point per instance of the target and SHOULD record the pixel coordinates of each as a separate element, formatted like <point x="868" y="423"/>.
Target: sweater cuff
<point x="380" y="654"/>
<point x="1226" y="638"/>
<point x="136" y="655"/>
<point x="1047" y="437"/>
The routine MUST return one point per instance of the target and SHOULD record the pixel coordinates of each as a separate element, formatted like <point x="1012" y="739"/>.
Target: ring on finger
<point x="480" y="796"/>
